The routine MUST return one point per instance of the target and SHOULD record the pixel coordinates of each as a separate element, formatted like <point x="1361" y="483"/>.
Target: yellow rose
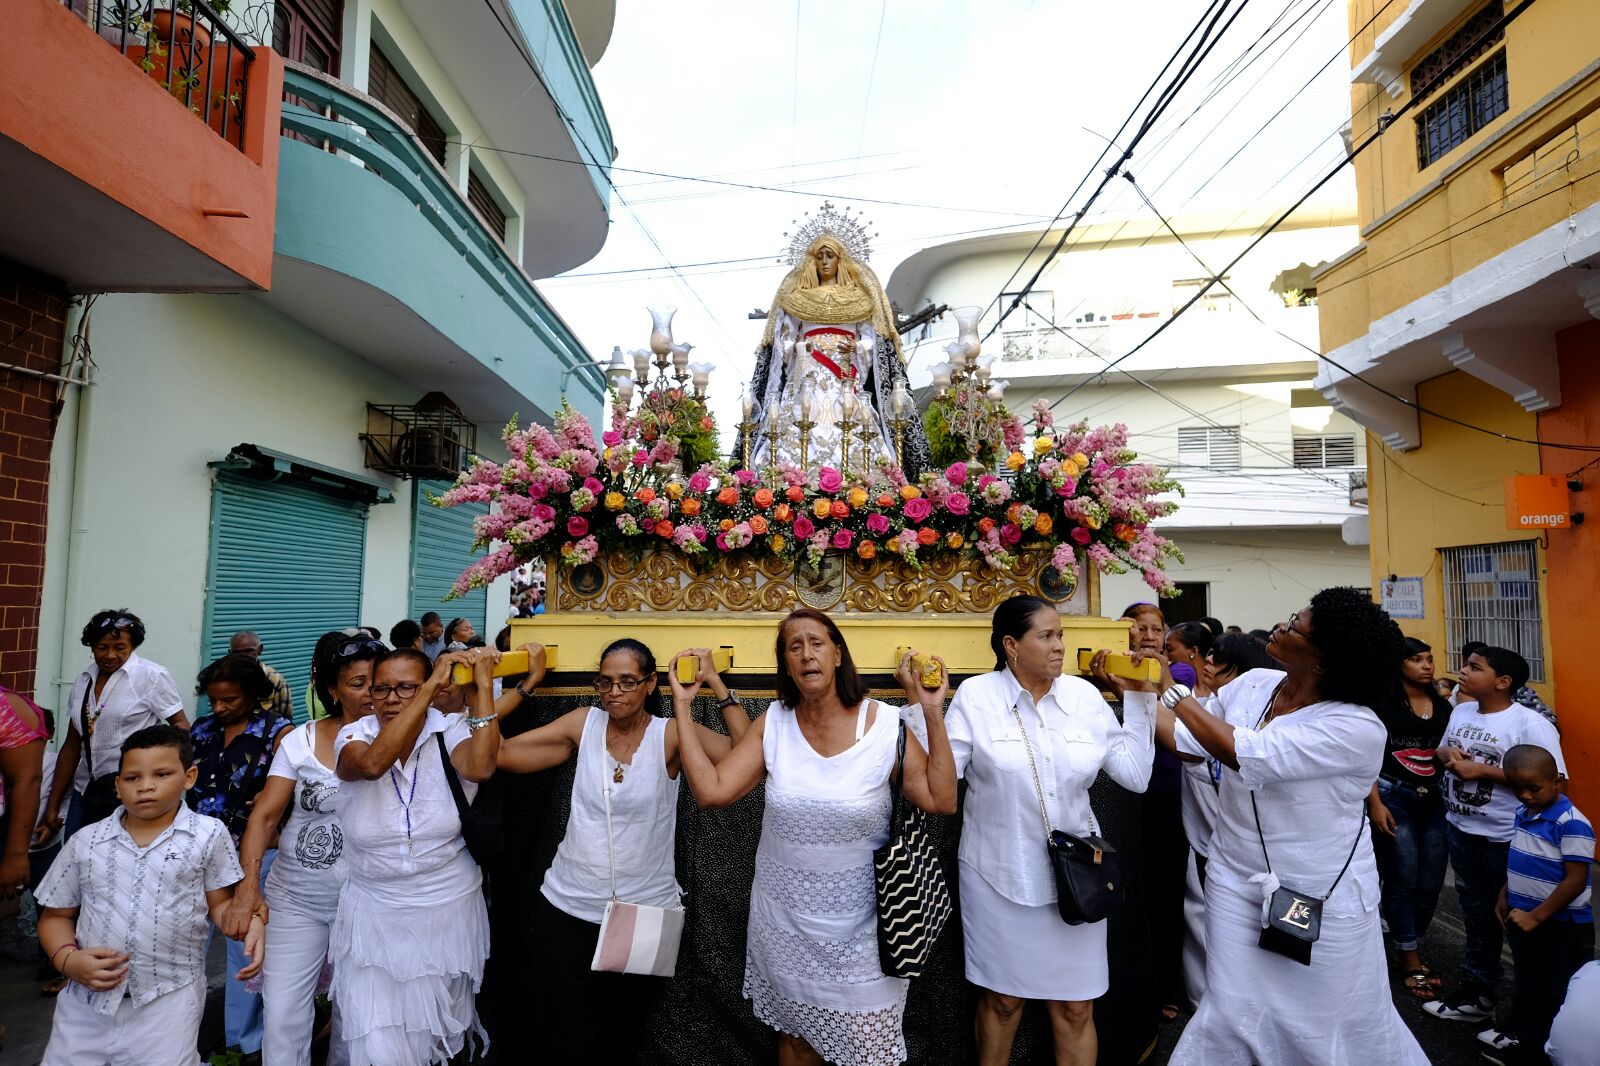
<point x="1070" y="468"/>
<point x="1092" y="522"/>
<point x="1081" y="459"/>
<point x="1043" y="444"/>
<point x="954" y="540"/>
<point x="1015" y="460"/>
<point x="615" y="501"/>
<point x="822" y="507"/>
<point x="606" y="454"/>
<point x="776" y="543"/>
<point x="858" y="497"/>
<point x="675" y="489"/>
<point x="909" y="492"/>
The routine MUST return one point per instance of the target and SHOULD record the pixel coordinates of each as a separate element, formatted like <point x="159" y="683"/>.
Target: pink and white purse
<point x="635" y="937"/>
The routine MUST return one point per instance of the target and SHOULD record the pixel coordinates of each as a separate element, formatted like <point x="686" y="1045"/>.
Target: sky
<point x="956" y="116"/>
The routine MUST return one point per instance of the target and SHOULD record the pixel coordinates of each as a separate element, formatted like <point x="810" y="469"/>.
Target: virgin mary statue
<point x="831" y="357"/>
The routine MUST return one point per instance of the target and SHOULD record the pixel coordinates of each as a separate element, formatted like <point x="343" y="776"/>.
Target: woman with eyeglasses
<point x="411" y="932"/>
<point x="302" y="887"/>
<point x="624" y="747"/>
<point x="1300" y="748"/>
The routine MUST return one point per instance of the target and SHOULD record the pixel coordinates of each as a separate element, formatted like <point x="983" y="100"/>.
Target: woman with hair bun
<point x="630" y="757"/>
<point x="1026" y="719"/>
<point x="1300" y="748"/>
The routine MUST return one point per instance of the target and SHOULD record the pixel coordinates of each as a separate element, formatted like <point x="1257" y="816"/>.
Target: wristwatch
<point x="524" y="693"/>
<point x="1170" y="698"/>
<point x="730" y="700"/>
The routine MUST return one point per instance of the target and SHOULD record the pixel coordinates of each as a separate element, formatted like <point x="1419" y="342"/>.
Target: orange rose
<point x="821" y="507"/>
<point x="663" y="528"/>
<point x="885" y="500"/>
<point x="1043" y="524"/>
<point x="858" y="497"/>
<point x="728" y="496"/>
<point x="776" y="543"/>
<point x="909" y="492"/>
<point x="867" y="549"/>
<point x="839" y="509"/>
<point x="758" y="524"/>
<point x="985" y="524"/>
<point x="646" y="494"/>
<point x="725" y="525"/>
<point x="927" y="536"/>
<point x="1126" y="534"/>
<point x="690" y="507"/>
<point x="763" y="498"/>
<point x="1011" y="513"/>
<point x="783" y="513"/>
<point x="795" y="493"/>
<point x="954" y="540"/>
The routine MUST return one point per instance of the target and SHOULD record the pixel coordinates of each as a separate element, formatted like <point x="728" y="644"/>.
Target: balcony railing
<point x="186" y="47"/>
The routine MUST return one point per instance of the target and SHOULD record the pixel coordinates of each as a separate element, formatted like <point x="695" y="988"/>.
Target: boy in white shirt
<point x="125" y="916"/>
<point x="1481" y="810"/>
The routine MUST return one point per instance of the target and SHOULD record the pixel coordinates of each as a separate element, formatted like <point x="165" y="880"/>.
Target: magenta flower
<point x="641" y="457"/>
<point x="958" y="503"/>
<point x="745" y="477"/>
<point x="956" y="474"/>
<point x="843" y="539"/>
<point x="918" y="510"/>
<point x="611" y="438"/>
<point x="1068" y="487"/>
<point x="544" y="512"/>
<point x="1081" y="535"/>
<point x="1010" y="535"/>
<point x="877" y="524"/>
<point x="577" y="526"/>
<point x="593" y="485"/>
<point x="803" y="528"/>
<point x="722" y="542"/>
<point x="829" y="480"/>
<point x="699" y="484"/>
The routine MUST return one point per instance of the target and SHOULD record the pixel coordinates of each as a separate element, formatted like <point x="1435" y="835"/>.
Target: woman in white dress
<point x="826" y="752"/>
<point x="630" y="758"/>
<point x="1017" y="946"/>
<point x="412" y="932"/>
<point x="1300" y="748"/>
<point x="302" y="888"/>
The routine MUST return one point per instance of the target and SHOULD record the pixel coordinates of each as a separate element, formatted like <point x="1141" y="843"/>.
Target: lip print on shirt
<point x="1418" y="761"/>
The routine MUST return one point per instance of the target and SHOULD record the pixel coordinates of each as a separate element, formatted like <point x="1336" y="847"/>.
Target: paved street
<point x="27" y="1016"/>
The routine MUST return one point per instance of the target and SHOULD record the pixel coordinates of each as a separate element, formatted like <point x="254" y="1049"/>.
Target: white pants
<point x="163" y="1032"/>
<point x="297" y="946"/>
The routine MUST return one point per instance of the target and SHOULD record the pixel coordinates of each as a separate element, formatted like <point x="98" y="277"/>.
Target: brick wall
<point x="33" y="310"/>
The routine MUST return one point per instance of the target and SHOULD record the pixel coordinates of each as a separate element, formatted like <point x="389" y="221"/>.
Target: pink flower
<point x="829" y="480"/>
<point x="611" y="438"/>
<point x="1064" y="559"/>
<point x="560" y="481"/>
<point x="544" y="512"/>
<point x="538" y="491"/>
<point x="699" y="484"/>
<point x="918" y="510"/>
<point x="843" y="539"/>
<point x="641" y="457"/>
<point x="958" y="503"/>
<point x="1010" y="535"/>
<point x="722" y="542"/>
<point x="956" y="474"/>
<point x="803" y="528"/>
<point x="577" y="526"/>
<point x="1068" y="487"/>
<point x="877" y="524"/>
<point x="745" y="477"/>
<point x="593" y="485"/>
<point x="1081" y="535"/>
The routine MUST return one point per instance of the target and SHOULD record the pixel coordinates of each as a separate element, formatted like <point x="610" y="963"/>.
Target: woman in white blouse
<point x="1300" y="750"/>
<point x="1017" y="946"/>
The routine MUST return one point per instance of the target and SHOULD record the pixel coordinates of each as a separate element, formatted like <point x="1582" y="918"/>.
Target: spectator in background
<point x="1235" y="629"/>
<point x="461" y="631"/>
<point x="281" y="702"/>
<point x="1147" y="631"/>
<point x="1524" y="695"/>
<point x="24" y="728"/>
<point x="406" y="634"/>
<point x="433" y="640"/>
<point x="1213" y="624"/>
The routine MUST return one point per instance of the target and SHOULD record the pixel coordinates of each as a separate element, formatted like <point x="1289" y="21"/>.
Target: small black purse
<point x="482" y="820"/>
<point x="1088" y="875"/>
<point x="1294" y="918"/>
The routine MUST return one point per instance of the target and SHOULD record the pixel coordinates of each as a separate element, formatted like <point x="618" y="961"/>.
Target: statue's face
<point x="827" y="263"/>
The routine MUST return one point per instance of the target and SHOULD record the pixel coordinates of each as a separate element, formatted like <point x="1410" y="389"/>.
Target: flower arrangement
<point x="1079" y="493"/>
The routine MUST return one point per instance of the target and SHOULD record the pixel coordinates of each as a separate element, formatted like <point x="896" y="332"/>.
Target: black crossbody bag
<point x="1088" y="875"/>
<point x="483" y="820"/>
<point x="1294" y="918"/>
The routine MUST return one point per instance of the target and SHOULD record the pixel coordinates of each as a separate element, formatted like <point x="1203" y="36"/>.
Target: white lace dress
<point x="811" y="967"/>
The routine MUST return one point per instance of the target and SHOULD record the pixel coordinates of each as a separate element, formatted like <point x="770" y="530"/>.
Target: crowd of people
<point x="1302" y="789"/>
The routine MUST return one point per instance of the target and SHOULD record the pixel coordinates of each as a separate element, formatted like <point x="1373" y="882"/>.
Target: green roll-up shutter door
<point x="287" y="562"/>
<point x="441" y="547"/>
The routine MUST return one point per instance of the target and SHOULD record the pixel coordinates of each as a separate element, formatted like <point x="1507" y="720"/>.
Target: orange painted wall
<point x="1573" y="561"/>
<point x="73" y="99"/>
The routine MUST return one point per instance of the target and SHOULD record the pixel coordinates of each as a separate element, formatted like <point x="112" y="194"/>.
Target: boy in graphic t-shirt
<point x="1481" y="811"/>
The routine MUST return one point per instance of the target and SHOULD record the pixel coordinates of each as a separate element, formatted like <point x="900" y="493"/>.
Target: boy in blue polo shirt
<point x="1545" y="903"/>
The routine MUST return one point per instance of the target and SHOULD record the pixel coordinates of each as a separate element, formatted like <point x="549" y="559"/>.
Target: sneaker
<point x="1465" y="1006"/>
<point x="1498" y="1040"/>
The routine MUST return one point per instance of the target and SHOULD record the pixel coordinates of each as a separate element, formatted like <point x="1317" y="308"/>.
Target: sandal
<point x="1421" y="983"/>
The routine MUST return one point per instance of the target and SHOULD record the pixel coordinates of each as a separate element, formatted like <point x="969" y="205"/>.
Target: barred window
<point x="1314" y="451"/>
<point x="1463" y="45"/>
<point x="1468" y="106"/>
<point x="1216" y="447"/>
<point x="1491" y="593"/>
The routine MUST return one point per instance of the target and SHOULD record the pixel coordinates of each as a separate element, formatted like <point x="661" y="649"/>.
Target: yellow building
<point x="1462" y="332"/>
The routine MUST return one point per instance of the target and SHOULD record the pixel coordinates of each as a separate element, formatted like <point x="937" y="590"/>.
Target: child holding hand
<point x="126" y="912"/>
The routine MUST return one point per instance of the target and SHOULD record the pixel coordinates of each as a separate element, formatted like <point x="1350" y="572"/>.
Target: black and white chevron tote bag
<point x="913" y="902"/>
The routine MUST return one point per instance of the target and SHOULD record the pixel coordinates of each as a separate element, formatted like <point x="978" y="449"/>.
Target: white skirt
<point x="405" y="978"/>
<point x="1030" y="952"/>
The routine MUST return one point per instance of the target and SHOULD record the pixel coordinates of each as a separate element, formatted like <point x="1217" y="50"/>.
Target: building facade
<point x="1272" y="474"/>
<point x="258" y="452"/>
<point x="1461" y="329"/>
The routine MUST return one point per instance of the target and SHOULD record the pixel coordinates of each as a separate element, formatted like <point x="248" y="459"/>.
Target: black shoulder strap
<point x="1360" y="832"/>
<point x="83" y="728"/>
<point x="897" y="780"/>
<point x="462" y="806"/>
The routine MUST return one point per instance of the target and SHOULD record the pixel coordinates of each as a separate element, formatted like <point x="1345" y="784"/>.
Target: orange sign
<point x="1537" y="501"/>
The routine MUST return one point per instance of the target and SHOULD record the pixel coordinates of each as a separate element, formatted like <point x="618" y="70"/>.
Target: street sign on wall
<point x="1402" y="597"/>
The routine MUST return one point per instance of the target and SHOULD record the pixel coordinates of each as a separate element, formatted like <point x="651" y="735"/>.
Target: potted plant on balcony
<point x="177" y="50"/>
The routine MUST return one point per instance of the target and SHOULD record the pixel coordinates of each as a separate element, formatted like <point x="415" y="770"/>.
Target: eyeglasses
<point x="1290" y="625"/>
<point x="603" y="685"/>
<point x="405" y="690"/>
<point x="358" y="645"/>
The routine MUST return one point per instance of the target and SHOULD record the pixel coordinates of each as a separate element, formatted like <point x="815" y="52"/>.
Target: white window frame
<point x="1213" y="447"/>
<point x="1323" y="451"/>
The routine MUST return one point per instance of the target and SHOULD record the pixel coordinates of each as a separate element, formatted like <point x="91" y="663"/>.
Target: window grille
<point x="1324" y="450"/>
<point x="1468" y="106"/>
<point x="1463" y="45"/>
<point x="483" y="202"/>
<point x="1491" y="593"/>
<point x="1216" y="447"/>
